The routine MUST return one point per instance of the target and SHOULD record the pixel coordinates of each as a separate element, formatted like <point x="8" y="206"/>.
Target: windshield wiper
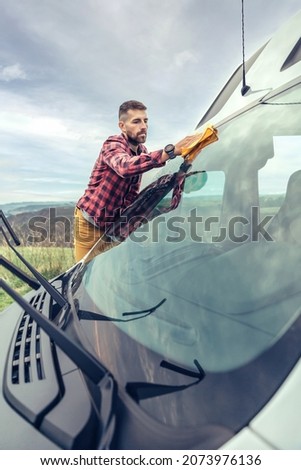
<point x="80" y="356"/>
<point x="88" y="364"/>
<point x="19" y="273"/>
<point x="9" y="228"/>
<point x="87" y="315"/>
<point x="143" y="390"/>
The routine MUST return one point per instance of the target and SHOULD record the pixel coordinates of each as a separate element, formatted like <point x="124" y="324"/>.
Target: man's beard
<point x="136" y="142"/>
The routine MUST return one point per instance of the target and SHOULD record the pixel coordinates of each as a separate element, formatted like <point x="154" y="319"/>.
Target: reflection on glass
<point x="230" y="279"/>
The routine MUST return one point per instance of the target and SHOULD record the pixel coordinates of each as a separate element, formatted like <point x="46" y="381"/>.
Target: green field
<point x="49" y="261"/>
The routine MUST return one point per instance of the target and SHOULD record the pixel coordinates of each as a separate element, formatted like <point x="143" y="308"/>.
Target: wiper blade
<point x="82" y="358"/>
<point x="86" y="315"/>
<point x="148" y="311"/>
<point x="52" y="291"/>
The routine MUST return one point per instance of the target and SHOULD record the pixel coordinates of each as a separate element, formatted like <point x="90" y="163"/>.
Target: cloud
<point x="12" y="72"/>
<point x="184" y="57"/>
<point x="65" y="67"/>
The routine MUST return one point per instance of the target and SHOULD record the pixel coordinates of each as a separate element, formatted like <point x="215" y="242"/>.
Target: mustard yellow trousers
<point x="89" y="241"/>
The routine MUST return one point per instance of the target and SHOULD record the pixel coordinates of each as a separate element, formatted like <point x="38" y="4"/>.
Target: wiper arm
<point x="52" y="291"/>
<point x="19" y="273"/>
<point x="9" y="228"/>
<point x="82" y="358"/>
<point x="143" y="390"/>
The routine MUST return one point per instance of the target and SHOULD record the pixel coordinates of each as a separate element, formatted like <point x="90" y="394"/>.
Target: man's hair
<point x="131" y="104"/>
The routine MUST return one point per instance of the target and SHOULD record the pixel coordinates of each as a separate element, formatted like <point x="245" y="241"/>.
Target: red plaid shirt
<point x="115" y="179"/>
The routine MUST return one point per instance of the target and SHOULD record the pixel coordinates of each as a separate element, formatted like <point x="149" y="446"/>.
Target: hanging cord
<point x="245" y="87"/>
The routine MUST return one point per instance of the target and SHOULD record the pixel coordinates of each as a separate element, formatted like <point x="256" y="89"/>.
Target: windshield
<point x="224" y="261"/>
<point x="221" y="273"/>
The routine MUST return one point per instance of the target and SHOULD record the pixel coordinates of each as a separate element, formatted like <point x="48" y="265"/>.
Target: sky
<point x="67" y="65"/>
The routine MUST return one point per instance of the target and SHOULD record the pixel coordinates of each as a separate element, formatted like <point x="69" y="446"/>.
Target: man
<point x="116" y="177"/>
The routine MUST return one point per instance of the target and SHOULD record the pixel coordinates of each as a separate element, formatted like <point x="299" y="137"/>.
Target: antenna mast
<point x="245" y="87"/>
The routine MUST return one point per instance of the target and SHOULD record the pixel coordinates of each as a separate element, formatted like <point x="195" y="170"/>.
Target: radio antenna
<point x="245" y="87"/>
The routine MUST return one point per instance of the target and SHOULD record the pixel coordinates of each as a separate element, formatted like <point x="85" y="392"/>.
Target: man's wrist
<point x="169" y="149"/>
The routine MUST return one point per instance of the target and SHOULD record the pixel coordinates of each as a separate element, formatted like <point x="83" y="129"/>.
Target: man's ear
<point x="121" y="126"/>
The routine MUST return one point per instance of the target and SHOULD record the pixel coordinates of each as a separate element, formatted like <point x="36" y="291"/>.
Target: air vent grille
<point x="27" y="363"/>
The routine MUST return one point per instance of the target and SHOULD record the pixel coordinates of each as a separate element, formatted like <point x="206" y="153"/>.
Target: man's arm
<point x="116" y="155"/>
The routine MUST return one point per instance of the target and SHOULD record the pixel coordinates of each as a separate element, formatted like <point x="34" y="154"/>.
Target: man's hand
<point x="191" y="145"/>
<point x="184" y="143"/>
<point x="179" y="146"/>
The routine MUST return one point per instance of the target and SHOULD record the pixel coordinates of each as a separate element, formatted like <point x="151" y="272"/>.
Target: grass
<point x="49" y="261"/>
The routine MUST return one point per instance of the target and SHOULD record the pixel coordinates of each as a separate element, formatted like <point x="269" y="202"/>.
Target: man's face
<point x="134" y="124"/>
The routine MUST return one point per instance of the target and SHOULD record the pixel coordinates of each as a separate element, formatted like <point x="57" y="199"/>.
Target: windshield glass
<point x="228" y="260"/>
<point x="220" y="275"/>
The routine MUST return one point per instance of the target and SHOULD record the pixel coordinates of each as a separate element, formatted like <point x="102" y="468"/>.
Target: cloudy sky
<point x="66" y="65"/>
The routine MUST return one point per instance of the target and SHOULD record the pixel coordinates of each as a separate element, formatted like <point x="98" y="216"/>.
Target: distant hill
<point x="41" y="224"/>
<point x="12" y="208"/>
